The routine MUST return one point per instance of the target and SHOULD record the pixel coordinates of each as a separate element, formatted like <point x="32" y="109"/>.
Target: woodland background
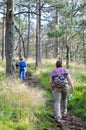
<point x="42" y="31"/>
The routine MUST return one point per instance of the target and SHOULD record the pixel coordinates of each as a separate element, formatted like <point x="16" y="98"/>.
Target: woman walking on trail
<point x="22" y="69"/>
<point x="59" y="80"/>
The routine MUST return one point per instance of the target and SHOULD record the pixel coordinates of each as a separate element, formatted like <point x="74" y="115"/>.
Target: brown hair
<point x="21" y="58"/>
<point x="59" y="64"/>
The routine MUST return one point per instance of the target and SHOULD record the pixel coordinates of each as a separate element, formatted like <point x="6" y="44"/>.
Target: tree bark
<point x="20" y="45"/>
<point x="67" y="56"/>
<point x="28" y="38"/>
<point x="56" y="38"/>
<point x="9" y="39"/>
<point x="38" y="58"/>
<point x="3" y="32"/>
<point x="84" y="46"/>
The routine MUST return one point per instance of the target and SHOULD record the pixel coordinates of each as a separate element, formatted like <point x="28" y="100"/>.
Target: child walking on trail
<point x="22" y="69"/>
<point x="60" y="92"/>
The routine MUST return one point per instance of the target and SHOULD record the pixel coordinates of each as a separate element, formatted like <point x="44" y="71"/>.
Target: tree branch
<point x="22" y="12"/>
<point x="21" y="38"/>
<point x="1" y="4"/>
<point x="2" y="13"/>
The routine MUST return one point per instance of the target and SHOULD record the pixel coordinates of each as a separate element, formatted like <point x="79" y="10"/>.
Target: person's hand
<point x="72" y="90"/>
<point x="52" y="91"/>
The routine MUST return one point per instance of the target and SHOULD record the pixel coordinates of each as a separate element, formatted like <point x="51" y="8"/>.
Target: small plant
<point x="2" y="74"/>
<point x="78" y="100"/>
<point x="43" y="118"/>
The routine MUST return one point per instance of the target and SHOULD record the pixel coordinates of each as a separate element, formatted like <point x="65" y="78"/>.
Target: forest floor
<point x="71" y="122"/>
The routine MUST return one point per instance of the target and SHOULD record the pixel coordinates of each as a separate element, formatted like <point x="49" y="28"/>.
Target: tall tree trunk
<point x="23" y="47"/>
<point x="46" y="51"/>
<point x="22" y="41"/>
<point x="67" y="56"/>
<point x="20" y="46"/>
<point x="56" y="38"/>
<point x="28" y="38"/>
<point x="38" y="33"/>
<point x="62" y="55"/>
<point x="3" y="32"/>
<point x="9" y="37"/>
<point x="84" y="46"/>
<point x="40" y="47"/>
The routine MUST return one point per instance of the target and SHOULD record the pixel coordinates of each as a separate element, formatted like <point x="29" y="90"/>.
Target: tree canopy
<point x="43" y="29"/>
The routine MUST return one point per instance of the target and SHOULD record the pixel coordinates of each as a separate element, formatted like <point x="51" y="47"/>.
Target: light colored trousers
<point x="60" y="105"/>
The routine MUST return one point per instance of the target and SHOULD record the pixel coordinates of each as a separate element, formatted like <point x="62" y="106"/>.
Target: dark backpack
<point x="60" y="82"/>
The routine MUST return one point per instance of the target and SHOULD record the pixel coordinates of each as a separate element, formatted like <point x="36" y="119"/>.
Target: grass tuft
<point x="18" y="104"/>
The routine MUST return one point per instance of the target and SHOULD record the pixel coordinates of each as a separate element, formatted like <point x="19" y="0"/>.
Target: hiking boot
<point x="64" y="116"/>
<point x="58" y="121"/>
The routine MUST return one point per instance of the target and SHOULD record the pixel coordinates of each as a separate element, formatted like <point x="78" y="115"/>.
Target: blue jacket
<point x="22" y="65"/>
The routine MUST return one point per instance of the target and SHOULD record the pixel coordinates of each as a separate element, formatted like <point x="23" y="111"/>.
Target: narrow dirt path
<point x="71" y="122"/>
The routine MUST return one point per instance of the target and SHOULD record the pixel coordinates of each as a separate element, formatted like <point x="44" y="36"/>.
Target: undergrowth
<point x="77" y="105"/>
<point x="23" y="107"/>
<point x="17" y="105"/>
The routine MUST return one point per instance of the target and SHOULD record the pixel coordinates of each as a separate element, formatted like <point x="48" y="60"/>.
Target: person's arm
<point x="25" y="66"/>
<point x="70" y="83"/>
<point x="51" y="84"/>
<point x="18" y="65"/>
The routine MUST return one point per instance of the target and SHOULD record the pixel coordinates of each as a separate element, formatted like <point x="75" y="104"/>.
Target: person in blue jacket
<point x="22" y="69"/>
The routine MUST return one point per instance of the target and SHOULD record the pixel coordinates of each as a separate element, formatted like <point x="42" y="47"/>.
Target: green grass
<point x="23" y="107"/>
<point x="44" y="79"/>
<point x="43" y="119"/>
<point x="17" y="105"/>
<point x="77" y="105"/>
<point x="2" y="75"/>
<point x="2" y="63"/>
